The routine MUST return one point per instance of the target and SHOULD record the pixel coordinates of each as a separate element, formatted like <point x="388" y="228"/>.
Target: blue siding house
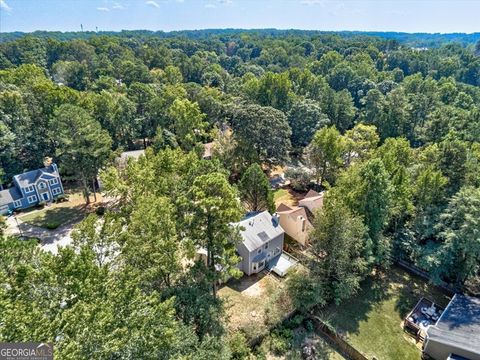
<point x="31" y="188"/>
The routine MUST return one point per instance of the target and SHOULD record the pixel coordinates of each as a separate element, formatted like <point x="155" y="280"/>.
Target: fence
<point x="448" y="289"/>
<point x="345" y="348"/>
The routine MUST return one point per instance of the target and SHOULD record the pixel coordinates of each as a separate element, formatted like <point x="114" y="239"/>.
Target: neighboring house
<point x="456" y="334"/>
<point x="31" y="188"/>
<point x="312" y="201"/>
<point x="294" y="221"/>
<point x="122" y="160"/>
<point x="262" y="245"/>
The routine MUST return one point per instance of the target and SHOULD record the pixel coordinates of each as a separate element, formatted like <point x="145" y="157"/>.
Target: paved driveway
<point x="50" y="240"/>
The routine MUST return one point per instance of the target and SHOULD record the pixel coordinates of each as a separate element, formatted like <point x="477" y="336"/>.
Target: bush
<point x="279" y="344"/>
<point x="100" y="211"/>
<point x="41" y="204"/>
<point x="61" y="198"/>
<point x="299" y="178"/>
<point x="52" y="225"/>
<point x="239" y="346"/>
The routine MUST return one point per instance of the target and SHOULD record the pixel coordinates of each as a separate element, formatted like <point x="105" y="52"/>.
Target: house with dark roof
<point x="31" y="188"/>
<point x="456" y="334"/>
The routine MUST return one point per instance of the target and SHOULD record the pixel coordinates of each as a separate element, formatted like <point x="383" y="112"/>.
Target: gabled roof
<point x="312" y="193"/>
<point x="283" y="207"/>
<point x="459" y="324"/>
<point x="294" y="212"/>
<point x="9" y="195"/>
<point x="30" y="177"/>
<point x="313" y="200"/>
<point x="258" y="228"/>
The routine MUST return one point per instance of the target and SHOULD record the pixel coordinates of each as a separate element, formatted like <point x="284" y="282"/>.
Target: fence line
<point x="333" y="337"/>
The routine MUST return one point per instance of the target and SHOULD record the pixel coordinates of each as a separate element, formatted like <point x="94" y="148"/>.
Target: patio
<point x="424" y="314"/>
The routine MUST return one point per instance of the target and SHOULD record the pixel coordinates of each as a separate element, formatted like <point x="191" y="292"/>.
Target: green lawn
<point x="54" y="216"/>
<point x="372" y="321"/>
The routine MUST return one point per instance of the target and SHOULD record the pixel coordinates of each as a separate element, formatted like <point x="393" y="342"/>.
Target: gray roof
<point x="459" y="325"/>
<point x="8" y="196"/>
<point x="29" y="177"/>
<point x="258" y="228"/>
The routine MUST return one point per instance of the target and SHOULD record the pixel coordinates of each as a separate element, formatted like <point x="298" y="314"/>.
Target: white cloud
<point x="103" y="9"/>
<point x="4" y="6"/>
<point x="210" y="6"/>
<point x="313" y="2"/>
<point x="152" y="3"/>
<point x="118" y="6"/>
<point x="226" y="2"/>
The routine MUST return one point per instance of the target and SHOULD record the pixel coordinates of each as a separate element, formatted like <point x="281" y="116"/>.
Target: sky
<point x="368" y="15"/>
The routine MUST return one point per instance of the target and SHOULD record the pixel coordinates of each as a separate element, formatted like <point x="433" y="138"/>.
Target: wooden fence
<point x="331" y="336"/>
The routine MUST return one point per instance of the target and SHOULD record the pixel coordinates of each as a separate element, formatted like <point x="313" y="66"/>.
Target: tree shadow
<point x="346" y="316"/>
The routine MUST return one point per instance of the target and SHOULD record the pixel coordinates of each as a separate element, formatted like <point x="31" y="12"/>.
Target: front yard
<point x="57" y="214"/>
<point x="373" y="320"/>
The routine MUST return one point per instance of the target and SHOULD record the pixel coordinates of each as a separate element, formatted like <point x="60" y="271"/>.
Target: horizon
<point x="403" y="16"/>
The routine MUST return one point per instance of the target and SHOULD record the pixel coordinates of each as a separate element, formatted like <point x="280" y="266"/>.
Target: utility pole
<point x="81" y="27"/>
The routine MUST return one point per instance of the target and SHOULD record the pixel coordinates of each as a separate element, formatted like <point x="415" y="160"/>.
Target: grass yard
<point x="373" y="320"/>
<point x="255" y="303"/>
<point x="56" y="214"/>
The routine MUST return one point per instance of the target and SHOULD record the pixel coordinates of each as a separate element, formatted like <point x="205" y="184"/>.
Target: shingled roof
<point x="30" y="177"/>
<point x="9" y="195"/>
<point x="459" y="325"/>
<point x="258" y="228"/>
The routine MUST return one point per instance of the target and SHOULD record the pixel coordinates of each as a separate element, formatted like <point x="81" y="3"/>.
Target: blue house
<point x="31" y="188"/>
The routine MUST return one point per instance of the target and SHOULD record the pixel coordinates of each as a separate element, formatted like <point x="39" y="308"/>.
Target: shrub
<point x="41" y="204"/>
<point x="61" y="198"/>
<point x="239" y="346"/>
<point x="299" y="178"/>
<point x="100" y="211"/>
<point x="279" y="345"/>
<point x="52" y="225"/>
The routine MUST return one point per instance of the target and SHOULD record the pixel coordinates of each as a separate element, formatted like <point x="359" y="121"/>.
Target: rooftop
<point x="459" y="324"/>
<point x="30" y="177"/>
<point x="258" y="228"/>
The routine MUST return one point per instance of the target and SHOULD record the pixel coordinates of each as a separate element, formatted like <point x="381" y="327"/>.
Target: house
<point x="262" y="244"/>
<point x="208" y="150"/>
<point x="122" y="160"/>
<point x="312" y="201"/>
<point x="31" y="188"/>
<point x="456" y="333"/>
<point x="294" y="220"/>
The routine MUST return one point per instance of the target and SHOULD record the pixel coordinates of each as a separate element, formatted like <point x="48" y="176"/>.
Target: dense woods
<point x="389" y="128"/>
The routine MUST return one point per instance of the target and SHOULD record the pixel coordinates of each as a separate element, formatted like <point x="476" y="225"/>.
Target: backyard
<point x="255" y="303"/>
<point x="372" y="321"/>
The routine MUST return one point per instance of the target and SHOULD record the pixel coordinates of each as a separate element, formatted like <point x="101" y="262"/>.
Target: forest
<point x="388" y="125"/>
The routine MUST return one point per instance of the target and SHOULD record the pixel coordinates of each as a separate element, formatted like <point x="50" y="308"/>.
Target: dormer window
<point x="29" y="189"/>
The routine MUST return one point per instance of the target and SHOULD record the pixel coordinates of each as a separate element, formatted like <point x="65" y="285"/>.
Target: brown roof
<point x="311" y="193"/>
<point x="283" y="207"/>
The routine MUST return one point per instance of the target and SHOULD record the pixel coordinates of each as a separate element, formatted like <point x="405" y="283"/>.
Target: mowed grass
<point x="372" y="321"/>
<point x="57" y="214"/>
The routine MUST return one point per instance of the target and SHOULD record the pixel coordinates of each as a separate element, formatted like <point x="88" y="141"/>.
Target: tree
<point x="361" y="141"/>
<point x="339" y="239"/>
<point x="255" y="190"/>
<point x="83" y="146"/>
<point x="188" y="123"/>
<point x="305" y="117"/>
<point x="367" y="192"/>
<point x="325" y="153"/>
<point x="213" y="206"/>
<point x="458" y="258"/>
<point x="262" y="134"/>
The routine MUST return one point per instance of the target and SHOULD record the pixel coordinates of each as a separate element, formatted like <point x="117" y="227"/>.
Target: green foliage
<point x="255" y="190"/>
<point x="325" y="154"/>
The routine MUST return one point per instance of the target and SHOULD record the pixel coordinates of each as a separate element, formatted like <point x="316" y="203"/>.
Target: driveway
<point x="50" y="240"/>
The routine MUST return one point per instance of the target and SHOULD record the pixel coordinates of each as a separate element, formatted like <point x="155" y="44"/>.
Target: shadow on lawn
<point x="347" y="316"/>
<point x="245" y="281"/>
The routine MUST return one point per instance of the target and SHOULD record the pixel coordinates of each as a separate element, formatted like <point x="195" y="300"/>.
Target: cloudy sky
<point x="373" y="15"/>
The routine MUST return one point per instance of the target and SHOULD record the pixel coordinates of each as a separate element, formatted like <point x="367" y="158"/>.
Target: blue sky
<point x="372" y="15"/>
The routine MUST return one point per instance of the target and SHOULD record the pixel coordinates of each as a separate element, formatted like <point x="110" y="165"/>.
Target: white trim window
<point x="29" y="189"/>
<point x="53" y="181"/>
<point x="42" y="185"/>
<point x="32" y="199"/>
<point x="17" y="203"/>
<point x="56" y="191"/>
